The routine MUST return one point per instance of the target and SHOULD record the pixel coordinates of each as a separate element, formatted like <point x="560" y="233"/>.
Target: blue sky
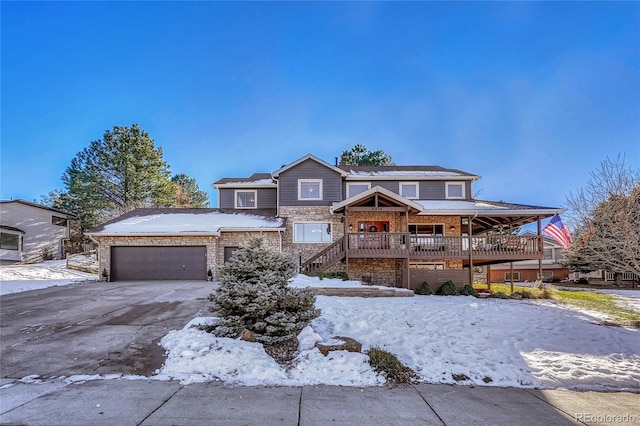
<point x="531" y="96"/>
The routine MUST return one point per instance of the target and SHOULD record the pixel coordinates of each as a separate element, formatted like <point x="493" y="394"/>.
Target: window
<point x="60" y="221"/>
<point x="426" y="229"/>
<point x="507" y="276"/>
<point x="9" y="241"/>
<point x="312" y="233"/>
<point x="310" y="189"/>
<point x="454" y="189"/>
<point x="246" y="199"/>
<point x="409" y="189"/>
<point x="356" y="188"/>
<point x="547" y="253"/>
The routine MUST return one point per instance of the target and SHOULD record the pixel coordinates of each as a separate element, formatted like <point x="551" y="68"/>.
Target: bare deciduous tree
<point x="605" y="215"/>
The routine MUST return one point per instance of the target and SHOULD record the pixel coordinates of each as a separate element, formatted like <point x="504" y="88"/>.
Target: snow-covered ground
<point x="18" y="278"/>
<point x="503" y="342"/>
<point x="513" y="343"/>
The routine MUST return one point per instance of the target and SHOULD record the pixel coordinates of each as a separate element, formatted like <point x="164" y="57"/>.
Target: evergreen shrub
<point x="448" y="289"/>
<point x="468" y="290"/>
<point x="254" y="295"/>
<point x="424" y="289"/>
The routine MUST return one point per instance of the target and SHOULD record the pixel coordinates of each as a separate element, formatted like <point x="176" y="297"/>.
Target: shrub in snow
<point x="468" y="290"/>
<point x="387" y="364"/>
<point x="448" y="289"/>
<point x="425" y="289"/>
<point x="254" y="295"/>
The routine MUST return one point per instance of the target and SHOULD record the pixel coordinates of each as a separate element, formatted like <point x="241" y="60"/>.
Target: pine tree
<point x="254" y="295"/>
<point x="188" y="194"/>
<point x="359" y="155"/>
<point x="123" y="171"/>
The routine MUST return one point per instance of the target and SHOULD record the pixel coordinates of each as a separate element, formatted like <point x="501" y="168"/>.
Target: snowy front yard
<point x="520" y="343"/>
<point x="52" y="273"/>
<point x="493" y="342"/>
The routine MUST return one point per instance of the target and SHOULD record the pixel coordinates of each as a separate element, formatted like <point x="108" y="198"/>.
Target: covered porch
<point x="385" y="230"/>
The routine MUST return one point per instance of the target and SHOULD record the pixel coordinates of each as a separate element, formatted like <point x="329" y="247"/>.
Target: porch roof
<point x="488" y="214"/>
<point x="389" y="198"/>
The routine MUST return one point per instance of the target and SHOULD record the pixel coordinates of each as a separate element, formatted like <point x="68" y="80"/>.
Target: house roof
<point x="312" y="157"/>
<point x="256" y="180"/>
<point x="12" y="228"/>
<point x="39" y="206"/>
<point x="187" y="221"/>
<point x="405" y="172"/>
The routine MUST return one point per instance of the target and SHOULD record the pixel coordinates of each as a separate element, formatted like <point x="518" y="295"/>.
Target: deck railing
<point x="398" y="244"/>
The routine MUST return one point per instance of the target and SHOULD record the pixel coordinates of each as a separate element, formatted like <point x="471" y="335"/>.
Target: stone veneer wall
<point x="104" y="248"/>
<point x="308" y="214"/>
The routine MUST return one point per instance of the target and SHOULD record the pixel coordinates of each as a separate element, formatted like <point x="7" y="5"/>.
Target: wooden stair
<point x="363" y="292"/>
<point x="325" y="259"/>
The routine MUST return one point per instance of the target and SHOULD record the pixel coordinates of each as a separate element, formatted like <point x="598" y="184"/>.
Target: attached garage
<point x="138" y="263"/>
<point x="178" y="244"/>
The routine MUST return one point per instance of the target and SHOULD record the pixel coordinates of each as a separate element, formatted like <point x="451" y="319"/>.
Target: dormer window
<point x="455" y="190"/>
<point x="246" y="199"/>
<point x="309" y="189"/>
<point x="409" y="190"/>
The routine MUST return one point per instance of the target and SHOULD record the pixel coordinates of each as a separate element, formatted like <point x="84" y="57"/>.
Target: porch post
<point x="540" y="248"/>
<point x="511" y="275"/>
<point x="489" y="277"/>
<point x="470" y="252"/>
<point x="407" y="245"/>
<point x="346" y="238"/>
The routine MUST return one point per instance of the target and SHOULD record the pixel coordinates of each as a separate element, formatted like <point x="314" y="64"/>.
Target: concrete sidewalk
<point x="150" y="402"/>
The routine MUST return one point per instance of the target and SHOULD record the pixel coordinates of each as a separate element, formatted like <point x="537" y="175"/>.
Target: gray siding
<point x="309" y="169"/>
<point x="428" y="190"/>
<point x="266" y="197"/>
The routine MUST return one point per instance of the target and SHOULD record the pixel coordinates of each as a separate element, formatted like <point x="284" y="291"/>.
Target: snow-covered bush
<point x="254" y="295"/>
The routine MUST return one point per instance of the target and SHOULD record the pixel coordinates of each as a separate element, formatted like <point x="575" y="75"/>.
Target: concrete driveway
<point x="94" y="328"/>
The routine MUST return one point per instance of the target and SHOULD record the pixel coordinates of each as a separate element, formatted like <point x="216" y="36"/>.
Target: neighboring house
<point x="527" y="270"/>
<point x="31" y="232"/>
<point x="391" y="225"/>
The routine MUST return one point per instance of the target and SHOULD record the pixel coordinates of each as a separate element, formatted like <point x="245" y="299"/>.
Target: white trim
<point x="277" y="173"/>
<point x="421" y="178"/>
<point x="320" y="193"/>
<point x="295" y="232"/>
<point x="350" y="184"/>
<point x="376" y="189"/>
<point x="255" y="199"/>
<point x="416" y="184"/>
<point x="446" y="190"/>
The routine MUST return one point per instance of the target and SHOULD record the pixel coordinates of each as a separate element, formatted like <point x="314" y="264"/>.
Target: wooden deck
<point x="404" y="245"/>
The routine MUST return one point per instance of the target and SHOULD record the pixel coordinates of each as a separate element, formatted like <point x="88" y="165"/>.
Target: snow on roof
<point x="190" y="223"/>
<point x="483" y="207"/>
<point x="404" y="173"/>
<point x="251" y="182"/>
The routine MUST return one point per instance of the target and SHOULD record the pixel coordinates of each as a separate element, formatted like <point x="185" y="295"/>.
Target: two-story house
<point x="391" y="225"/>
